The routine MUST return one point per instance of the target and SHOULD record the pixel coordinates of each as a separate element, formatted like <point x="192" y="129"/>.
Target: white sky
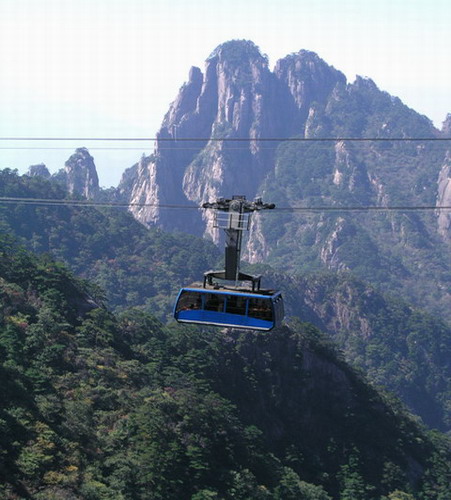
<point x="110" y="68"/>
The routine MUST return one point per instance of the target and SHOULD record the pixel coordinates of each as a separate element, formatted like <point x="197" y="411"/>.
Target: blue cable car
<point x="261" y="310"/>
<point x="218" y="304"/>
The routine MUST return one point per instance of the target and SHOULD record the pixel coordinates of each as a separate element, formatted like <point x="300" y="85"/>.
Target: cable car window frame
<point x="214" y="302"/>
<point x="260" y="308"/>
<point x="190" y="300"/>
<point x="240" y="305"/>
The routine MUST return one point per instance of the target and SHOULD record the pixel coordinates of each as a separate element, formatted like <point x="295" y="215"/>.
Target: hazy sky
<point x="110" y="68"/>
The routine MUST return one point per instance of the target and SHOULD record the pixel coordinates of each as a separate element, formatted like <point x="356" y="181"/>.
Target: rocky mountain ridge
<point x="302" y="136"/>
<point x="240" y="99"/>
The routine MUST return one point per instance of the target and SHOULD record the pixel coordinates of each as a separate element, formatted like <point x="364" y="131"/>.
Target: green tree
<point x="292" y="488"/>
<point x="353" y="486"/>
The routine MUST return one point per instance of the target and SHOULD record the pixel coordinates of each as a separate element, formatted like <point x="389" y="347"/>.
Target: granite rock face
<point x="238" y="99"/>
<point x="81" y="175"/>
<point x="444" y="199"/>
<point x="446" y="126"/>
<point x="308" y="79"/>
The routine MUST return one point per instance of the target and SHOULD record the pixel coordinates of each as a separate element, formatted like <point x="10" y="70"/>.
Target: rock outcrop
<point x="232" y="101"/>
<point x="446" y="126"/>
<point x="444" y="199"/>
<point x="444" y="187"/>
<point x="80" y="174"/>
<point x="241" y="101"/>
<point x="308" y="79"/>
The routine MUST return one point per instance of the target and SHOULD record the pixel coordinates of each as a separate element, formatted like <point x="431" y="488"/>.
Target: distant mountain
<point x="95" y="405"/>
<point x="237" y="101"/>
<point x="238" y="98"/>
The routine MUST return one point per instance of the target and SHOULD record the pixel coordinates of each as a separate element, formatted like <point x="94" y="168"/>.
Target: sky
<point x="111" y="68"/>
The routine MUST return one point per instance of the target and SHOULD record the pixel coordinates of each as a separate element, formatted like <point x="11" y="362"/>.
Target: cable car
<point x="260" y="310"/>
<point x="219" y="303"/>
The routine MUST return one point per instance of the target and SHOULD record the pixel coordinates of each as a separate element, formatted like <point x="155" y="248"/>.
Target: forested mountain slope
<point x="132" y="264"/>
<point x="401" y="348"/>
<point x="101" y="406"/>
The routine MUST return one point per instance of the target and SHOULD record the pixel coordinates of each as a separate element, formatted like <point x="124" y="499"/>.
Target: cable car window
<point x="189" y="300"/>
<point x="214" y="302"/>
<point x="260" y="309"/>
<point x="236" y="305"/>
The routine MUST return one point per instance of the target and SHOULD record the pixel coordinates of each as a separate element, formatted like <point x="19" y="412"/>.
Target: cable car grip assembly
<point x="233" y="216"/>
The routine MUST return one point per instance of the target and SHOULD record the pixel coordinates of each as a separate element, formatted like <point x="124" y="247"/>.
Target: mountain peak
<point x="306" y="60"/>
<point x="236" y="51"/>
<point x="308" y="79"/>
<point x="81" y="174"/>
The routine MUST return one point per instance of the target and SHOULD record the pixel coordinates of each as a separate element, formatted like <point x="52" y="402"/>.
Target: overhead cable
<point x="228" y="139"/>
<point x="83" y="203"/>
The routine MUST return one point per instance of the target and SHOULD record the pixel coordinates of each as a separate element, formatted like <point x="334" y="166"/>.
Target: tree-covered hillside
<point x="98" y="406"/>
<point x="399" y="347"/>
<point x="136" y="266"/>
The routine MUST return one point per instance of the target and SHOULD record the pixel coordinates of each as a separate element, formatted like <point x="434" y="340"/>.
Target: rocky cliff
<point x="446" y="126"/>
<point x="240" y="128"/>
<point x="237" y="99"/>
<point x="444" y="199"/>
<point x="444" y="187"/>
<point x="80" y="175"/>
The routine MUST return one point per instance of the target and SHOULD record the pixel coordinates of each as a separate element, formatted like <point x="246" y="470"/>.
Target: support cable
<point x="6" y="200"/>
